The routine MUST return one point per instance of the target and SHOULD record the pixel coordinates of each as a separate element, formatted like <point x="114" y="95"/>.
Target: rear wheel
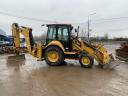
<point x="86" y="61"/>
<point x="54" y="56"/>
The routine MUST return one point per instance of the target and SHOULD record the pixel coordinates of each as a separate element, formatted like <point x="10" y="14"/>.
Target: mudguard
<point x="56" y="43"/>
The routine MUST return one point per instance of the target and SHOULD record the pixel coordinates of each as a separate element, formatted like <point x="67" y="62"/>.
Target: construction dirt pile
<point x="11" y="50"/>
<point x="122" y="52"/>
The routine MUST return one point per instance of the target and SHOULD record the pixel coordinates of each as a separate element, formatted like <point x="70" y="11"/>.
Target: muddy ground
<point x="35" y="78"/>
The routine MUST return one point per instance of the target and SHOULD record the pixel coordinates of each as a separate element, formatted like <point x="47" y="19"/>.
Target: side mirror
<point x="43" y="25"/>
<point x="71" y="27"/>
<point x="75" y="30"/>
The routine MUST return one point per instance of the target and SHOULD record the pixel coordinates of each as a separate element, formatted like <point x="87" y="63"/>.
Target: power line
<point x="104" y="20"/>
<point x="27" y="18"/>
<point x="42" y="20"/>
<point x="114" y="29"/>
<point x="109" y="19"/>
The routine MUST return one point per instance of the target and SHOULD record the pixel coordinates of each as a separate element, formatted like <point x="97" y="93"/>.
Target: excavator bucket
<point x="16" y="57"/>
<point x="18" y="54"/>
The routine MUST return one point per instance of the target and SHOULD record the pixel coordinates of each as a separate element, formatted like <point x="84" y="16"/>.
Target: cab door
<point x="63" y="36"/>
<point x="51" y="35"/>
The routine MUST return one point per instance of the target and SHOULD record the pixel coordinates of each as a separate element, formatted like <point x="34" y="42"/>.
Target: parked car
<point x="5" y="43"/>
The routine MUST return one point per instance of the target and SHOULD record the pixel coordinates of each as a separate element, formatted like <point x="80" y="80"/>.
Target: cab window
<point x="52" y="33"/>
<point x="63" y="33"/>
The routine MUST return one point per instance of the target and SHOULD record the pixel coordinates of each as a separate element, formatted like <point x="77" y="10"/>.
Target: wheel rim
<point x="53" y="56"/>
<point x="85" y="61"/>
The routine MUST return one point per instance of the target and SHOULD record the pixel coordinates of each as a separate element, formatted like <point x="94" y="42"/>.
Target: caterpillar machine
<point x="61" y="45"/>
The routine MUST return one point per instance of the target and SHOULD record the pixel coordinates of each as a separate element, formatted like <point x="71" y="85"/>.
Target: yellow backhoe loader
<point x="61" y="45"/>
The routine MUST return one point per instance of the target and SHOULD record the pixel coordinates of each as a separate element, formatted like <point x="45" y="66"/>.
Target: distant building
<point x="8" y="39"/>
<point x="2" y="35"/>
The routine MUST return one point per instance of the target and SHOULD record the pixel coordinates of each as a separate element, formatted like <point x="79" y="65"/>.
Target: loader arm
<point x="99" y="53"/>
<point x="33" y="48"/>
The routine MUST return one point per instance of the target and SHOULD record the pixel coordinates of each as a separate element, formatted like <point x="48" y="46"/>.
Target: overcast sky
<point x="68" y="11"/>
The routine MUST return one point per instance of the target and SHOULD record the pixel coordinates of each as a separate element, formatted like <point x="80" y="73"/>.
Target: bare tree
<point x="106" y="36"/>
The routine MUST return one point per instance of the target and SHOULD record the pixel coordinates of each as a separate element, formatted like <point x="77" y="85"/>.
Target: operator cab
<point x="60" y="32"/>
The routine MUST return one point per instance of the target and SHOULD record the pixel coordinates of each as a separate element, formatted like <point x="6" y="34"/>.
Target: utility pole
<point x="78" y="32"/>
<point x="88" y="30"/>
<point x="89" y="26"/>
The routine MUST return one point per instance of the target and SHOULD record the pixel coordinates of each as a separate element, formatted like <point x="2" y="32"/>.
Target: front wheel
<point x="86" y="61"/>
<point x="54" y="56"/>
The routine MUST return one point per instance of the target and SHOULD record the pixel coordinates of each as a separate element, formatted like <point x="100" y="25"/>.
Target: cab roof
<point x="58" y="24"/>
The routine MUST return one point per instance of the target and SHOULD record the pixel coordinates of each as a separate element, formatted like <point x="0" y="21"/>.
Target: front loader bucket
<point x="112" y="63"/>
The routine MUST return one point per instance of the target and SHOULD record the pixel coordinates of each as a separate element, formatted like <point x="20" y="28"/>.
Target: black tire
<point x="63" y="63"/>
<point x="91" y="61"/>
<point x="60" y="55"/>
